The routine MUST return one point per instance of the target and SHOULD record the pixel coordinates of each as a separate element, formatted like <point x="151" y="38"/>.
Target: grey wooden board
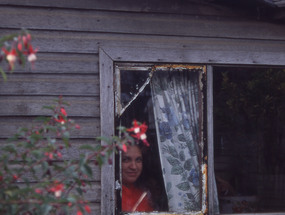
<point x="59" y="63"/>
<point x="210" y="139"/>
<point x="137" y="23"/>
<point x="63" y="63"/>
<point x="27" y="175"/>
<point x="91" y="195"/>
<point x="33" y="106"/>
<point x="189" y="7"/>
<point x="90" y="127"/>
<point x="107" y="130"/>
<point x="55" y="84"/>
<point x="192" y="49"/>
<point x="69" y="153"/>
<point x="163" y="55"/>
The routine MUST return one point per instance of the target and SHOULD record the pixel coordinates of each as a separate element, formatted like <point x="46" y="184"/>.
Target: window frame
<point x="108" y="56"/>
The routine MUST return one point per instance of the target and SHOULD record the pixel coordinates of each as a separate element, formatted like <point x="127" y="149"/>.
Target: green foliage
<point x="35" y="179"/>
<point x="34" y="176"/>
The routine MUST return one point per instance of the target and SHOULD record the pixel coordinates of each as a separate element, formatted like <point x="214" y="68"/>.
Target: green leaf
<point x="71" y="199"/>
<point x="87" y="147"/>
<point x="45" y="209"/>
<point x="191" y="197"/>
<point x="183" y="186"/>
<point x="104" y="139"/>
<point x="10" y="148"/>
<point x="79" y="190"/>
<point x="182" y="156"/>
<point x="188" y="165"/>
<point x="181" y="138"/>
<point x="177" y="170"/>
<point x="86" y="170"/>
<point x="7" y="38"/>
<point x="37" y="153"/>
<point x="44" y="166"/>
<point x="172" y="161"/>
<point x="43" y="119"/>
<point x="173" y="151"/>
<point x="4" y="76"/>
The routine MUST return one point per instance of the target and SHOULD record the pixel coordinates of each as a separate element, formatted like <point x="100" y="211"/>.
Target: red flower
<point x="29" y="37"/>
<point x="32" y="54"/>
<point x="15" y="177"/>
<point x="25" y="41"/>
<point x="57" y="188"/>
<point x="20" y="46"/>
<point x="11" y="56"/>
<point x="124" y="147"/>
<point x="135" y="128"/>
<point x="49" y="155"/>
<point x="87" y="208"/>
<point x="139" y="132"/>
<point x="61" y="119"/>
<point x="39" y="191"/>
<point x="79" y="213"/>
<point x="59" y="155"/>
<point x="63" y="111"/>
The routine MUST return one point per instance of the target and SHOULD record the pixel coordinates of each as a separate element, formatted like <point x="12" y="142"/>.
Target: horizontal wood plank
<point x="55" y="84"/>
<point x="226" y="50"/>
<point x="187" y="7"/>
<point x="62" y="63"/>
<point x="68" y="153"/>
<point x="89" y="127"/>
<point x="92" y="193"/>
<point x="137" y="23"/>
<point x="211" y="57"/>
<point x="33" y="106"/>
<point x="28" y="175"/>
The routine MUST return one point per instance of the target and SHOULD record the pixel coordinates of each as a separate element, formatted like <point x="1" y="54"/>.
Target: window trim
<point x="109" y="55"/>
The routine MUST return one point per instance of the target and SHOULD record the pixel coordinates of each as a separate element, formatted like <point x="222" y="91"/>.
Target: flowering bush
<point x="34" y="177"/>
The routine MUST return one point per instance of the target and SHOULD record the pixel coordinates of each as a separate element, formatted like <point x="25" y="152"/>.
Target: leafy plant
<point x="34" y="176"/>
<point x="35" y="179"/>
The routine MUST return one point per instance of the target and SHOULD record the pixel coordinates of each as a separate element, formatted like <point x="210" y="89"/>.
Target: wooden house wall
<point x="69" y="34"/>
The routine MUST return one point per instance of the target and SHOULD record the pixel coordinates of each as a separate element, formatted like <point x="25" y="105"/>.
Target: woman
<point x="135" y="196"/>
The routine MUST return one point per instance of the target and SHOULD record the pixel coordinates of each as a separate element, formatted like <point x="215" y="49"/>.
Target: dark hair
<point x="147" y="181"/>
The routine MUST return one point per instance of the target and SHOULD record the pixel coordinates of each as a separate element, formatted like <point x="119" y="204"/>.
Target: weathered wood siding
<point x="69" y="34"/>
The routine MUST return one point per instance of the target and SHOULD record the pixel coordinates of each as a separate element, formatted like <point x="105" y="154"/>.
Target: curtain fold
<point x="177" y="103"/>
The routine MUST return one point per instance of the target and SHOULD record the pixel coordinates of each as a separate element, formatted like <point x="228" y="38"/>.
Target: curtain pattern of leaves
<point x="177" y="108"/>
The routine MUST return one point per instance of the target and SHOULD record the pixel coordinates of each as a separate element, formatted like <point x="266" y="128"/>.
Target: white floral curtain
<point x="177" y="104"/>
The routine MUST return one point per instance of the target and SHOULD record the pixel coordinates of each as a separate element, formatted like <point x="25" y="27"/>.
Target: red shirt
<point x="130" y="197"/>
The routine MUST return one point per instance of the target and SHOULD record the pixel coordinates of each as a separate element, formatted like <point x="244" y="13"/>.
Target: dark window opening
<point x="141" y="109"/>
<point x="170" y="100"/>
<point x="249" y="139"/>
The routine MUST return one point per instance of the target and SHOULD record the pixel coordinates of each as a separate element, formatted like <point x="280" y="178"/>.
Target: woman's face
<point x="131" y="165"/>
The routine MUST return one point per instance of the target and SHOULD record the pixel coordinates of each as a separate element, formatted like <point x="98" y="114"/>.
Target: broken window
<point x="249" y="140"/>
<point x="170" y="99"/>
